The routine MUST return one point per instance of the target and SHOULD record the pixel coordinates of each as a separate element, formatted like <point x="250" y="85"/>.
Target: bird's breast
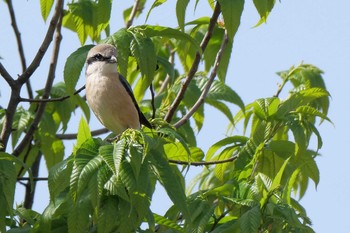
<point x="111" y="103"/>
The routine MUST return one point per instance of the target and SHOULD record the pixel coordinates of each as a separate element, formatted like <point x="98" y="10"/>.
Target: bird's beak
<point x="113" y="59"/>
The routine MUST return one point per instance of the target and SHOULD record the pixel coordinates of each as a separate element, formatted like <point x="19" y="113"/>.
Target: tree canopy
<point x="249" y="183"/>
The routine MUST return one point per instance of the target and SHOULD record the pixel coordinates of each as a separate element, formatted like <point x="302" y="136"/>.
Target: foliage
<point x="250" y="183"/>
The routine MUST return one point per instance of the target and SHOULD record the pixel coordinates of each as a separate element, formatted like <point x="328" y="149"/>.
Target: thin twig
<point x="34" y="179"/>
<point x="8" y="78"/>
<point x="49" y="82"/>
<point x="280" y="87"/>
<point x="73" y="136"/>
<point x="44" y="45"/>
<point x="205" y="92"/>
<point x="132" y="16"/>
<point x="19" y="44"/>
<point x="217" y="220"/>
<point x="195" y="64"/>
<point x="52" y="99"/>
<point x="203" y="163"/>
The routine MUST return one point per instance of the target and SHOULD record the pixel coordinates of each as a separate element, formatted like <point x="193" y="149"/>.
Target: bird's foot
<point x="114" y="139"/>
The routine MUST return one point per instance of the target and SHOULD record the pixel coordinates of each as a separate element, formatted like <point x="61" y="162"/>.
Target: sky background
<point x="312" y="31"/>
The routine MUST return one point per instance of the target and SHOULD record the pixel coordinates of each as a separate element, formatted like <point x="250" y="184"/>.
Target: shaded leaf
<point x="73" y="66"/>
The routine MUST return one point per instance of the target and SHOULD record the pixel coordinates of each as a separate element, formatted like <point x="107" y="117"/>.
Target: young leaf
<point x="83" y="132"/>
<point x="264" y="8"/>
<point x="45" y="7"/>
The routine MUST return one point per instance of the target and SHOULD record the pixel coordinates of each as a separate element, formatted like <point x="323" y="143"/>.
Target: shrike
<point x="108" y="93"/>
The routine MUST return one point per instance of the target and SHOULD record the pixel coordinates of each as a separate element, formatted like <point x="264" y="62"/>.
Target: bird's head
<point x="102" y="58"/>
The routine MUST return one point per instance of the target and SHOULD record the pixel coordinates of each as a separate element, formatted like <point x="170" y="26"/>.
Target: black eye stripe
<point x="98" y="57"/>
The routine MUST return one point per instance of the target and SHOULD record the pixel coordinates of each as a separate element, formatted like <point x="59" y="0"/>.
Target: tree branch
<point x="45" y="44"/>
<point x="19" y="44"/>
<point x="16" y="85"/>
<point x="133" y="13"/>
<point x="195" y="64"/>
<point x="52" y="99"/>
<point x="212" y="76"/>
<point x="74" y="135"/>
<point x="204" y="163"/>
<point x="51" y="76"/>
<point x="8" y="78"/>
<point x="29" y="186"/>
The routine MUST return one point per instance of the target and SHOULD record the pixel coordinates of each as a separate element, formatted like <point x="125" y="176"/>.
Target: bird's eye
<point x="99" y="57"/>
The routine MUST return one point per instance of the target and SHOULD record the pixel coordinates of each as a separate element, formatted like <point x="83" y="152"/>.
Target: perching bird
<point x="108" y="94"/>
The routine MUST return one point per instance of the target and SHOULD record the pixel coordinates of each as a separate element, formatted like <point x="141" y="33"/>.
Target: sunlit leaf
<point x="264" y="8"/>
<point x="181" y="6"/>
<point x="232" y="11"/>
<point x="45" y="7"/>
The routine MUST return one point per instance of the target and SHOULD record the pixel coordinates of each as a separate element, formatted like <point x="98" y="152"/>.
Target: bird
<point x="108" y="93"/>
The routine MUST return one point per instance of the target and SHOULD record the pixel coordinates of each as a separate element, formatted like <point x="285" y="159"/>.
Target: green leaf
<point x="278" y="178"/>
<point x="88" y="18"/>
<point x="222" y="107"/>
<point x="181" y="6"/>
<point x="250" y="220"/>
<point x="21" y="122"/>
<point x="264" y="8"/>
<point x="220" y="91"/>
<point x="236" y="140"/>
<point x="176" y="151"/>
<point x="142" y="48"/>
<point x="8" y="179"/>
<point x="107" y="211"/>
<point x="78" y="218"/>
<point x="53" y="151"/>
<point x="73" y="66"/>
<point x="59" y="176"/>
<point x="170" y="181"/>
<point x="87" y="171"/>
<point x="311" y="111"/>
<point x="167" y="32"/>
<point x="231" y="11"/>
<point x="167" y="223"/>
<point x="155" y="4"/>
<point x="83" y="132"/>
<point x="121" y="40"/>
<point x="45" y="7"/>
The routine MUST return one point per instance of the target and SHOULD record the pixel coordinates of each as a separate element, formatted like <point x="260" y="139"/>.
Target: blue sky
<point x="315" y="32"/>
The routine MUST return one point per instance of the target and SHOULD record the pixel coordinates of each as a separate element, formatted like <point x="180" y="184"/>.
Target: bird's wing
<point x="143" y="119"/>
